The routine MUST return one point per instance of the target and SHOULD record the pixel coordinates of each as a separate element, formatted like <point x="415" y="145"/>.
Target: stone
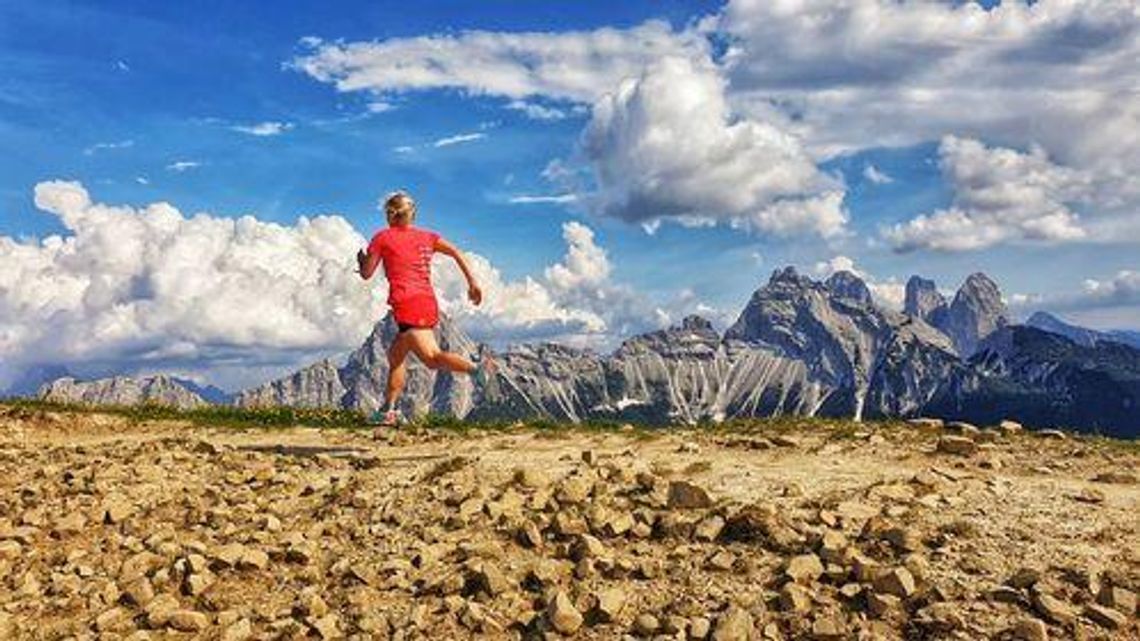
<point x="940" y="617"/>
<point x="1118" y="599"/>
<point x="610" y="602"/>
<point x="699" y="628"/>
<point x="1009" y="427"/>
<point x="573" y="490"/>
<point x="958" y="445"/>
<point x="736" y="624"/>
<point x="113" y="620"/>
<point x="1030" y="629"/>
<point x="645" y="625"/>
<point x="117" y="509"/>
<point x="803" y="568"/>
<point x="794" y="598"/>
<point x="253" y="559"/>
<point x="832" y="545"/>
<point x="1056" y="435"/>
<point x="529" y="535"/>
<point x="828" y="627"/>
<point x="312" y="605"/>
<point x="880" y="605"/>
<point x="138" y="592"/>
<point x="71" y="523"/>
<point x="240" y="630"/>
<point x="586" y="546"/>
<point x="188" y="621"/>
<point x="687" y="496"/>
<point x="935" y="423"/>
<point x="531" y="478"/>
<point x="1105" y="616"/>
<point x="708" y="528"/>
<point x="564" y="617"/>
<point x="722" y="560"/>
<point x="160" y="608"/>
<point x="1088" y="495"/>
<point x="227" y="556"/>
<point x="1005" y="594"/>
<point x="904" y="539"/>
<point x="196" y="584"/>
<point x="1024" y="577"/>
<point x="895" y="581"/>
<point x="1052" y="608"/>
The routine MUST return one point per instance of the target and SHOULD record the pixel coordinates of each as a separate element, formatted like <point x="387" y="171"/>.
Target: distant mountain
<point x="799" y="346"/>
<point x="1081" y="335"/>
<point x="1042" y="378"/>
<point x="122" y="390"/>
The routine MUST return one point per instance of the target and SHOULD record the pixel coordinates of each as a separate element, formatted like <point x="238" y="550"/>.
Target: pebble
<point x="803" y="568"/>
<point x="687" y="496"/>
<point x="736" y="624"/>
<point x="959" y="445"/>
<point x="895" y="581"/>
<point x="1105" y="616"/>
<point x="1030" y="629"/>
<point x="563" y="615"/>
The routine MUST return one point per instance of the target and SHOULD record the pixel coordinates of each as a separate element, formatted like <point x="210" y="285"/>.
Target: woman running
<point x="406" y="252"/>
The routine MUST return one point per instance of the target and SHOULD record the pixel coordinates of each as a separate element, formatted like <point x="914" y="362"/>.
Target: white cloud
<point x="666" y="146"/>
<point x="151" y="289"/>
<point x="458" y="139"/>
<point x="404" y="149"/>
<point x="183" y="165"/>
<point x="1000" y="195"/>
<point x="380" y="106"/>
<point x="108" y="146"/>
<point x="538" y="111"/>
<point x="873" y="174"/>
<point x="559" y="199"/>
<point x="574" y="65"/>
<point x="1122" y="289"/>
<point x="585" y="263"/>
<point x="871" y="73"/>
<point x="267" y="128"/>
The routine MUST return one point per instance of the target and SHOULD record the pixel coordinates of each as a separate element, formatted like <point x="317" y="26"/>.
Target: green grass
<point x="214" y="415"/>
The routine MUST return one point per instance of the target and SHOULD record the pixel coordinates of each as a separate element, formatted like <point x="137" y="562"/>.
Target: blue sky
<point x="160" y="102"/>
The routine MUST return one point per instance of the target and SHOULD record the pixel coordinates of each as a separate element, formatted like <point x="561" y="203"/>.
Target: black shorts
<point x="403" y="327"/>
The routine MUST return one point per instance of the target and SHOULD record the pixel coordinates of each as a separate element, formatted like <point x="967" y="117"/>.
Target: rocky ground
<point x="112" y="529"/>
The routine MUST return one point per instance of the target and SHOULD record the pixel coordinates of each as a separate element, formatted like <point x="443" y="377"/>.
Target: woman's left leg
<point x="422" y="343"/>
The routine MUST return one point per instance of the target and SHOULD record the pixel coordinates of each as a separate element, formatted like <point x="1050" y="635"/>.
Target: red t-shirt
<point x="406" y="255"/>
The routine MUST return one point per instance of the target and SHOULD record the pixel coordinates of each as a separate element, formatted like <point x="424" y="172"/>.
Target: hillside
<point x="117" y="524"/>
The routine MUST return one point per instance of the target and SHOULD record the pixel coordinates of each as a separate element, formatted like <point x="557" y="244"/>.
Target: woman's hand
<point x="474" y="294"/>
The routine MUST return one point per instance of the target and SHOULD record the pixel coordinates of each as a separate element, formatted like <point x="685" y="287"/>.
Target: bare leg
<point x="397" y="367"/>
<point x="428" y="351"/>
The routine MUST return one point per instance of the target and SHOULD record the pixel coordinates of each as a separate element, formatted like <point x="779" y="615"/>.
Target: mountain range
<point x="800" y="346"/>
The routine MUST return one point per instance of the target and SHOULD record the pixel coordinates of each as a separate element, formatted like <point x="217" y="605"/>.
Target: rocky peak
<point x="923" y="300"/>
<point x="849" y="287"/>
<point x="696" y="323"/>
<point x="976" y="312"/>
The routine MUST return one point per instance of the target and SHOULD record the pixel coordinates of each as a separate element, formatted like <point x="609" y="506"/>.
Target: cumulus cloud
<point x="268" y="128"/>
<point x="1000" y="195"/>
<point x="144" y="289"/>
<point x="870" y="73"/>
<point x="574" y="65"/>
<point x="666" y="146"/>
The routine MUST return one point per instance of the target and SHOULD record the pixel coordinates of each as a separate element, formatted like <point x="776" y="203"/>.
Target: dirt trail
<point x="111" y="529"/>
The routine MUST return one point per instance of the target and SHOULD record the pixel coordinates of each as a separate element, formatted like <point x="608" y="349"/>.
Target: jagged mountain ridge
<point x="799" y="347"/>
<point x="123" y="390"/>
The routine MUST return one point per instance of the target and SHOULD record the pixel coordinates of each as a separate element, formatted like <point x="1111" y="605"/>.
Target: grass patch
<point x="212" y="416"/>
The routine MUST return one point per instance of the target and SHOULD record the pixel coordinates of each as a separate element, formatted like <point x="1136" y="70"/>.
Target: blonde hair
<point x="399" y="208"/>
